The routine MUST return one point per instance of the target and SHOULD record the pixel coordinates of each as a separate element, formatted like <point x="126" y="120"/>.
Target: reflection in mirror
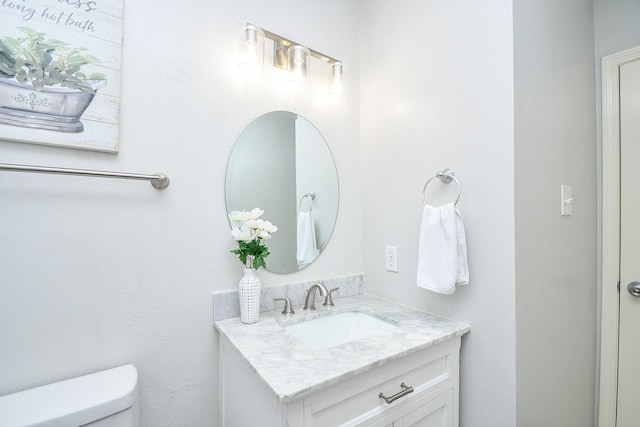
<point x="282" y="164"/>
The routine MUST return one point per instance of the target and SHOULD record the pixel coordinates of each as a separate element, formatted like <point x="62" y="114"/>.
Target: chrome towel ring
<point x="446" y="176"/>
<point x="311" y="196"/>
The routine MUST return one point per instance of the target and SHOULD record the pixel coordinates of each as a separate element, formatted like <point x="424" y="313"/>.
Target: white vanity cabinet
<point x="351" y="400"/>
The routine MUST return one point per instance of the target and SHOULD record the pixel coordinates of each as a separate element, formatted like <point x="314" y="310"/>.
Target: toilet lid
<point x="76" y="401"/>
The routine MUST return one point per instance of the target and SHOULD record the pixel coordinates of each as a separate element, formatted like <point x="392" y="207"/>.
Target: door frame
<point x="610" y="273"/>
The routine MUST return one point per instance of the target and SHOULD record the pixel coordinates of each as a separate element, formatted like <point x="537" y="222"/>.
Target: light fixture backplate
<point x="280" y="59"/>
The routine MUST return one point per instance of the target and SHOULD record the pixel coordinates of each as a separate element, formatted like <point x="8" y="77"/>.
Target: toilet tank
<point x="103" y="399"/>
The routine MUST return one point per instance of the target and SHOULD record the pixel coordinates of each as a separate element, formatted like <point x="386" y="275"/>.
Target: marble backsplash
<point x="226" y="305"/>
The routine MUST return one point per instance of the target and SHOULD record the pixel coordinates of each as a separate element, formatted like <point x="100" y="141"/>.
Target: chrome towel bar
<point x="159" y="181"/>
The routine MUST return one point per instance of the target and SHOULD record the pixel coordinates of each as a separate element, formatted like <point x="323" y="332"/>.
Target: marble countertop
<point x="292" y="369"/>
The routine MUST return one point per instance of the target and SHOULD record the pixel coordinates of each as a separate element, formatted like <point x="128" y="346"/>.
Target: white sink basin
<point x="335" y="329"/>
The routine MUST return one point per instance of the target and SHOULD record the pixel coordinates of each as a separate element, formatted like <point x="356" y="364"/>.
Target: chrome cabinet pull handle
<point x="406" y="390"/>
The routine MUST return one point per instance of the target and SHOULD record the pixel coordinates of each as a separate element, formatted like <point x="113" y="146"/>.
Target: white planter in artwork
<point x="52" y="108"/>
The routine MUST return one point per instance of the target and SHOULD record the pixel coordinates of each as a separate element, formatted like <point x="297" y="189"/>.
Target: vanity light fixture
<point x="289" y="55"/>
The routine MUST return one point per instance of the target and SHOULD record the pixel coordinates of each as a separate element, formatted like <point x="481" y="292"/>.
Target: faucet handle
<point x="328" y="301"/>
<point x="287" y="305"/>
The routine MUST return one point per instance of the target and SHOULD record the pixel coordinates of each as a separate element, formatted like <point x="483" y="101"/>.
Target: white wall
<point x="437" y="91"/>
<point x="97" y="273"/>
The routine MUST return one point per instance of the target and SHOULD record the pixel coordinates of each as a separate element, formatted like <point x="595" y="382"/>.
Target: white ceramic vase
<point x="250" y="288"/>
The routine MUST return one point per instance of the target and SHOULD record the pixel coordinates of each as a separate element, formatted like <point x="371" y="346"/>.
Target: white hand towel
<point x="307" y="250"/>
<point x="442" y="250"/>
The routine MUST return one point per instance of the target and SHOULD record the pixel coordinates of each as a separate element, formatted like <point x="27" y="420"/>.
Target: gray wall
<point x="264" y="165"/>
<point x="616" y="26"/>
<point x="616" y="29"/>
<point x="315" y="172"/>
<point x="555" y="255"/>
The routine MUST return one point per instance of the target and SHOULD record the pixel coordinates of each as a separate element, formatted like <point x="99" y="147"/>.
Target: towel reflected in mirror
<point x="307" y="250"/>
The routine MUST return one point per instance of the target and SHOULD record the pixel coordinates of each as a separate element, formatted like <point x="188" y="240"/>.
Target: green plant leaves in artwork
<point x="41" y="62"/>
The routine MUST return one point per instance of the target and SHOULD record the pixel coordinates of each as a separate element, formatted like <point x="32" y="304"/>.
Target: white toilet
<point x="104" y="399"/>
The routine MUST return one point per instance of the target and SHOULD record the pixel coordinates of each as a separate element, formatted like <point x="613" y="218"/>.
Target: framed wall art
<point x="60" y="67"/>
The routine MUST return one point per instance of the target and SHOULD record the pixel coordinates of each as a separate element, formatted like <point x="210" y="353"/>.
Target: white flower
<point x="236" y="218"/>
<point x="254" y="214"/>
<point x="244" y="234"/>
<point x="249" y="231"/>
<point x="246" y="226"/>
<point x="270" y="227"/>
<point x="239" y="218"/>
<point x="262" y="228"/>
<point x="265" y="229"/>
<point x="254" y="223"/>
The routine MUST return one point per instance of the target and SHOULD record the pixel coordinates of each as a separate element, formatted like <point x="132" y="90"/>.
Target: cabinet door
<point x="435" y="413"/>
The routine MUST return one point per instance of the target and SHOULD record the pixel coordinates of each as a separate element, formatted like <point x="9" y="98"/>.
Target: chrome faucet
<point x="310" y="300"/>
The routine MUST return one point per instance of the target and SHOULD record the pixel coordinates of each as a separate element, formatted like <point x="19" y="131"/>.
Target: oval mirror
<point x="282" y="164"/>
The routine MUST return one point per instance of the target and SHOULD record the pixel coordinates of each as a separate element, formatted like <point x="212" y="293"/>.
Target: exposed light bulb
<point x="336" y="92"/>
<point x="299" y="65"/>
<point x="251" y="65"/>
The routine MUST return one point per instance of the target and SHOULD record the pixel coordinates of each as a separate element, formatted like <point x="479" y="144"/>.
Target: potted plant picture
<point x="44" y="83"/>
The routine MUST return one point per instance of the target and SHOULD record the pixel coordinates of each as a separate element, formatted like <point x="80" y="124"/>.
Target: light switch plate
<point x="566" y="201"/>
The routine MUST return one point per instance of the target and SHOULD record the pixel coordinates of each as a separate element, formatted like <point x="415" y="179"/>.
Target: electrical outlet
<point x="391" y="258"/>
